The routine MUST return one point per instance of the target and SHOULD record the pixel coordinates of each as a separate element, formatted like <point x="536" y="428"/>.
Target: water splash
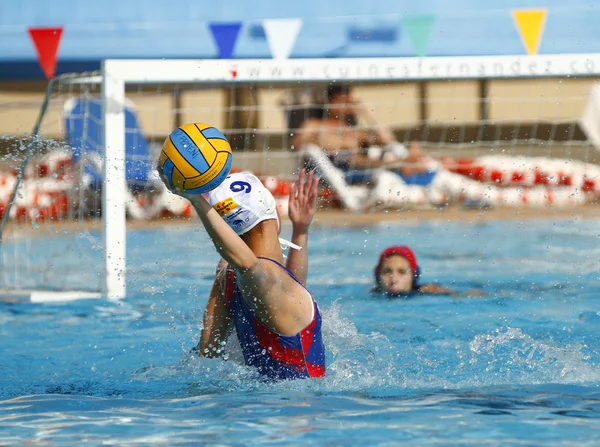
<point x="371" y="363"/>
<point x="510" y="356"/>
<point x="357" y="361"/>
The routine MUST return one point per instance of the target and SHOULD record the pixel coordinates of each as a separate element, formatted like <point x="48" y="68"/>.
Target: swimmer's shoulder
<point x="435" y="289"/>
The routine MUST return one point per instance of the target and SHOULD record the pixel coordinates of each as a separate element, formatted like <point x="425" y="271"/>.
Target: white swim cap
<point x="243" y="202"/>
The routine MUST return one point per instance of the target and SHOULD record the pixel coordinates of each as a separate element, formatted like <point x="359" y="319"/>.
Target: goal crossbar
<point x="351" y="69"/>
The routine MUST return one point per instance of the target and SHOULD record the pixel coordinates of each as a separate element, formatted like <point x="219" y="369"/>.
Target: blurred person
<point x="276" y="319"/>
<point x="395" y="175"/>
<point x="335" y="129"/>
<point x="348" y="155"/>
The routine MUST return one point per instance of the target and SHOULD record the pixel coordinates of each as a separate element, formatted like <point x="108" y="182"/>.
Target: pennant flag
<point x="419" y="29"/>
<point x="46" y="42"/>
<point x="530" y="25"/>
<point x="281" y="36"/>
<point x="225" y="36"/>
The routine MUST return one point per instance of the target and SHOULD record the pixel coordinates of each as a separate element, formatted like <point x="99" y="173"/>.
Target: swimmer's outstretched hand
<point x="303" y="200"/>
<point x="301" y="209"/>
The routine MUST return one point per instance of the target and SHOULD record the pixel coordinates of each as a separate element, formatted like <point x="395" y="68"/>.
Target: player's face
<point x="396" y="275"/>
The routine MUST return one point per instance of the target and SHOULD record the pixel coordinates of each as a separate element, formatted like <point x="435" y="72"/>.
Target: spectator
<point x="336" y="130"/>
<point x="369" y="155"/>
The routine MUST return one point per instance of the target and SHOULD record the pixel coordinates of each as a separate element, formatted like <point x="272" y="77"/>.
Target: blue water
<point x="519" y="366"/>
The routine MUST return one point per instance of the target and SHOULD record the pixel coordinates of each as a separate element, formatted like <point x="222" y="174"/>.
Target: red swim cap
<point x="405" y="252"/>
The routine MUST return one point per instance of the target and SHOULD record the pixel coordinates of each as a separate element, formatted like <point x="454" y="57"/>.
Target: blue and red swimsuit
<point x="276" y="356"/>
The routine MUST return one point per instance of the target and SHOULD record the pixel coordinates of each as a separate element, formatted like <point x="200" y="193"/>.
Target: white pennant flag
<point x="281" y="36"/>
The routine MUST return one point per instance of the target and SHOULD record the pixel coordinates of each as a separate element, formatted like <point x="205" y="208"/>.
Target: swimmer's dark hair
<point x="342" y="89"/>
<point x="297" y="117"/>
<point x="337" y="89"/>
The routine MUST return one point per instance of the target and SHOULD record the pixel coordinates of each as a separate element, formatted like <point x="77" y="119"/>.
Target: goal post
<point x="113" y="202"/>
<point x="58" y="243"/>
<point x="456" y="106"/>
<point x="117" y="74"/>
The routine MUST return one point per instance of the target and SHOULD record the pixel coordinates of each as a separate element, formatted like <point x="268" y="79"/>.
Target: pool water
<point x="518" y="366"/>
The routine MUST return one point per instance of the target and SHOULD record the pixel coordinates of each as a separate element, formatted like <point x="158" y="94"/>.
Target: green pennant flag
<point x="418" y="28"/>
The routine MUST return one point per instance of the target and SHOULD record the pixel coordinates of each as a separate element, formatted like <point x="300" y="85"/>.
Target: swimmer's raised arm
<point x="302" y="207"/>
<point x="229" y="245"/>
<point x="252" y="274"/>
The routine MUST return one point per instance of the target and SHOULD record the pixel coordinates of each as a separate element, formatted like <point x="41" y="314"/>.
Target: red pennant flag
<point x="46" y="41"/>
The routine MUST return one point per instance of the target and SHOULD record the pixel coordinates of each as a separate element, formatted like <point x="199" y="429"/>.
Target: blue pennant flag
<point x="225" y="36"/>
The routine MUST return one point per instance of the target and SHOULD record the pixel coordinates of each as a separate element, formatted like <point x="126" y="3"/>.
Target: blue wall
<point x="332" y="28"/>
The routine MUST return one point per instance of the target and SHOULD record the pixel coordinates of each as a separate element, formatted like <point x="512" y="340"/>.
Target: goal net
<point x="52" y="241"/>
<point x="386" y="132"/>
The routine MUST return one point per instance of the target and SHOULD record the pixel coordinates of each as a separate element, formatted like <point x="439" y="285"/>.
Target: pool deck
<point x="343" y="219"/>
<point x="453" y="214"/>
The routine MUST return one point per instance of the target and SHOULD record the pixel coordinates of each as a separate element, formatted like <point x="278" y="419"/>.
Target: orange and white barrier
<point x="491" y="180"/>
<point x="174" y="205"/>
<point x="463" y="188"/>
<point x="56" y="163"/>
<point x="531" y="171"/>
<point x="280" y="189"/>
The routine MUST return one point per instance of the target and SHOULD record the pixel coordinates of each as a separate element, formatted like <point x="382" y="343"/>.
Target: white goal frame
<point x="117" y="73"/>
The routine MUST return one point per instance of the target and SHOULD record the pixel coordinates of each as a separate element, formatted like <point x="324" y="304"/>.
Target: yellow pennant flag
<point x="530" y="24"/>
